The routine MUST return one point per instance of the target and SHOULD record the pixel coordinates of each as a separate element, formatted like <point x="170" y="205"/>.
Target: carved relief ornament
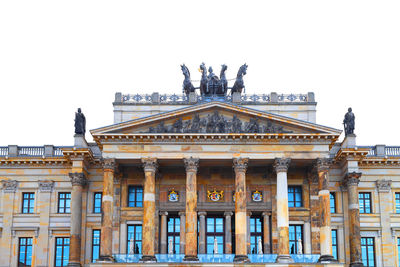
<point x="281" y="164"/>
<point x="78" y="178"/>
<point x="352" y="178"/>
<point x="109" y="164"/>
<point x="240" y="164"/>
<point x="383" y="185"/>
<point x="46" y="186"/>
<point x="150" y="164"/>
<point x="191" y="164"/>
<point x="9" y="186"/>
<point x="323" y="164"/>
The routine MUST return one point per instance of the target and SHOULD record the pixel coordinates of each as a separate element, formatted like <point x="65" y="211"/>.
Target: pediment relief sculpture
<point x="218" y="123"/>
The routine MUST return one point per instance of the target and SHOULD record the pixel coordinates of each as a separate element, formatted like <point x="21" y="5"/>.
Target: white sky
<point x="56" y="56"/>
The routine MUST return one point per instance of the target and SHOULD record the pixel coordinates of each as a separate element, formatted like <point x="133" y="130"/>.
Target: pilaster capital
<point x="109" y="164"/>
<point x="10" y="186"/>
<point x="228" y="213"/>
<point x="182" y="213"/>
<point x="323" y="164"/>
<point x="191" y="164"/>
<point x="383" y="186"/>
<point x="240" y="164"/>
<point x="249" y="213"/>
<point x="202" y="213"/>
<point x="78" y="178"/>
<point x="150" y="164"/>
<point x="46" y="186"/>
<point x="281" y="164"/>
<point x="352" y="178"/>
<point x="266" y="213"/>
<point x="164" y="213"/>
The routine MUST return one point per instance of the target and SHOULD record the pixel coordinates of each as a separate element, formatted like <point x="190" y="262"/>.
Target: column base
<point x="191" y="258"/>
<point x="105" y="259"/>
<point x="241" y="259"/>
<point x="74" y="264"/>
<point x="327" y="259"/>
<point x="284" y="259"/>
<point x="148" y="258"/>
<point x="356" y="264"/>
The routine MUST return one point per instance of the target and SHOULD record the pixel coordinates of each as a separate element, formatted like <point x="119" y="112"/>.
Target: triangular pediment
<point x="215" y="118"/>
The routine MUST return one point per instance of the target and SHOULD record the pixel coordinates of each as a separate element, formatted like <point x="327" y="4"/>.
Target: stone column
<point x="248" y="232"/>
<point x="202" y="232"/>
<point x="182" y="233"/>
<point x="385" y="204"/>
<point x="78" y="181"/>
<point x="164" y="241"/>
<point x="351" y="180"/>
<point x="191" y="165"/>
<point x="240" y="167"/>
<point x="267" y="248"/>
<point x="228" y="232"/>
<point x="149" y="210"/>
<point x="107" y="208"/>
<point x="322" y="168"/>
<point x="281" y="167"/>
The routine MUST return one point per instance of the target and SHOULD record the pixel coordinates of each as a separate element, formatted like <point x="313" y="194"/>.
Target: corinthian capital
<point x="383" y="185"/>
<point x="109" y="164"/>
<point x="46" y="186"/>
<point x="352" y="178"/>
<point x="9" y="186"/>
<point x="191" y="164"/>
<point x="78" y="178"/>
<point x="323" y="164"/>
<point x="281" y="164"/>
<point x="240" y="164"/>
<point x="150" y="164"/>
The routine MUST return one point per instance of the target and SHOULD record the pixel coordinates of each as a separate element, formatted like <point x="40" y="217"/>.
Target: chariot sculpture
<point x="212" y="85"/>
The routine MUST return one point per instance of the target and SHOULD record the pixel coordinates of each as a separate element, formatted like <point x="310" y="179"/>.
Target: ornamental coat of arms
<point x="257" y="196"/>
<point x="215" y="195"/>
<point x="173" y="196"/>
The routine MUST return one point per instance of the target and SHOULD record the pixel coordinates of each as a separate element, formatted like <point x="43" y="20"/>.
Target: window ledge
<point x="131" y="208"/>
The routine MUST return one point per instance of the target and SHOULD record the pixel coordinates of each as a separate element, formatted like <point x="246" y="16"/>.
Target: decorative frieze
<point x="281" y="164"/>
<point x="78" y="178"/>
<point x="46" y="186"/>
<point x="240" y="164"/>
<point x="191" y="164"/>
<point x="150" y="164"/>
<point x="383" y="186"/>
<point x="9" y="186"/>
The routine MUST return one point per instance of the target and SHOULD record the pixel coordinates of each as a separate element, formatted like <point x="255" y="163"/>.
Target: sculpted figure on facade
<point x="349" y="122"/>
<point x="80" y="122"/>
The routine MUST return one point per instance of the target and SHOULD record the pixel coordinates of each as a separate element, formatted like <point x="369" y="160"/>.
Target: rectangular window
<point x="398" y="249"/>
<point x="62" y="251"/>
<point x="134" y="239"/>
<point x="295" y="196"/>
<point x="173" y="233"/>
<point x="28" y="202"/>
<point x="368" y="251"/>
<point x="256" y="233"/>
<point x="332" y="198"/>
<point x="97" y="198"/>
<point x="95" y="244"/>
<point x="64" y="203"/>
<point x="295" y="236"/>
<point x="135" y="196"/>
<point x="334" y="244"/>
<point x="25" y="251"/>
<point x="365" y="202"/>
<point x="397" y="197"/>
<point x="215" y="232"/>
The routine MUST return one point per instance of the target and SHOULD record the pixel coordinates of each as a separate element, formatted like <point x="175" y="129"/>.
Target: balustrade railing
<point x="382" y="151"/>
<point x="157" y="98"/>
<point x="3" y="151"/>
<point x="31" y="151"/>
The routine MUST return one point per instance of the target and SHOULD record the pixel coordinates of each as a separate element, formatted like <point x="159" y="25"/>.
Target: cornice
<point x="34" y="162"/>
<point x="357" y="154"/>
<point x="78" y="154"/>
<point x="380" y="162"/>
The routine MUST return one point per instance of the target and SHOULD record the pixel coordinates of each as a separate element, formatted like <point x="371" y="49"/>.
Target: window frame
<point x="397" y="202"/>
<point x="31" y="202"/>
<point x="135" y="201"/>
<point x="134" y="238"/>
<point x="295" y="233"/>
<point x="294" y="196"/>
<point x="97" y="245"/>
<point x="63" y="255"/>
<point x="256" y="234"/>
<point x="65" y="203"/>
<point x="367" y="246"/>
<point x="332" y="194"/>
<point x="174" y="234"/>
<point x="94" y="202"/>
<point x="364" y="200"/>
<point x="215" y="233"/>
<point x="26" y="249"/>
<point x="335" y="244"/>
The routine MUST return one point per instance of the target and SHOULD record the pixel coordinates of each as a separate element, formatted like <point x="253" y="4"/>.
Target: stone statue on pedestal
<point x="80" y="122"/>
<point x="299" y="246"/>
<point x="259" y="245"/>
<point x="349" y="122"/>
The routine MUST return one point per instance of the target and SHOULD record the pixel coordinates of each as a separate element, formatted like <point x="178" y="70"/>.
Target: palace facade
<point x="191" y="179"/>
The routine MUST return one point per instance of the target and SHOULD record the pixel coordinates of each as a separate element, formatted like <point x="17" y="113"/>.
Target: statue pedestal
<point x="349" y="141"/>
<point x="192" y="98"/>
<point x="236" y="97"/>
<point x="80" y="141"/>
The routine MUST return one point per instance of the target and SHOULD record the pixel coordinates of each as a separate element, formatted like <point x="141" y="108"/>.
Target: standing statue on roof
<point x="349" y="122"/>
<point x="80" y="122"/>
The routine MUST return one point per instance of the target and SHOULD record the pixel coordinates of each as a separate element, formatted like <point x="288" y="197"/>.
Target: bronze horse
<point x="187" y="83"/>
<point x="239" y="84"/>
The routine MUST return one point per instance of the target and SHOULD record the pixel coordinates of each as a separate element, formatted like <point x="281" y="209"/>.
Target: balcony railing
<point x="383" y="151"/>
<point x="31" y="151"/>
<point x="216" y="258"/>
